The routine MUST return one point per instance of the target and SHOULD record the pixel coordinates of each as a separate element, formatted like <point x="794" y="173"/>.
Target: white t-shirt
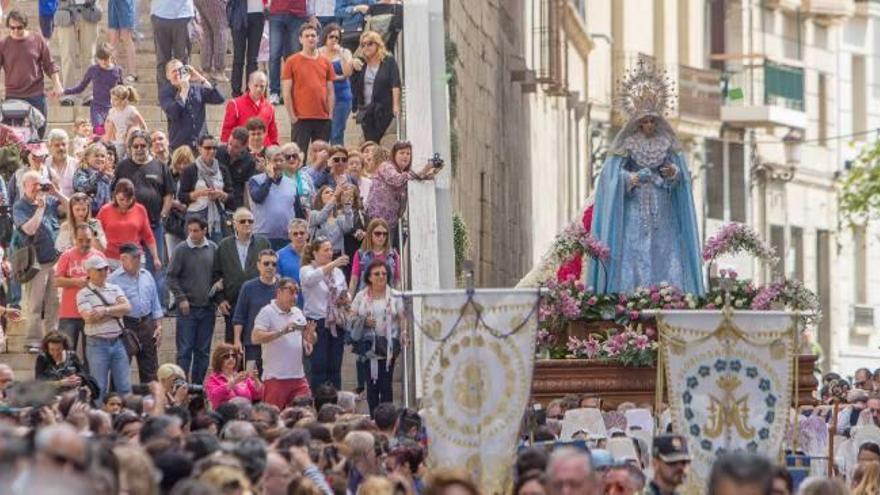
<point x="122" y="120"/>
<point x="282" y="358"/>
<point x="316" y="291"/>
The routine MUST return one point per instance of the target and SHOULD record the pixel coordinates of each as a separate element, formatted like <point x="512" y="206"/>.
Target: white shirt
<point x="385" y="320"/>
<point x="242" y="248"/>
<point x="66" y="174"/>
<point x="316" y="291"/>
<point x="282" y="358"/>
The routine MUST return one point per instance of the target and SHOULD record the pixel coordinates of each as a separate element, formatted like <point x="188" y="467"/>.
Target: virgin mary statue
<point x="644" y="208"/>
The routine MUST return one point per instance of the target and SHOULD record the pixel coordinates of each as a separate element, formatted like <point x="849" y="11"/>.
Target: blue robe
<point x="652" y="234"/>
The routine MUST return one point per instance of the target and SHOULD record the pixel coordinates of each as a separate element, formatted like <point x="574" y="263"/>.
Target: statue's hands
<point x="633" y="180"/>
<point x="668" y="171"/>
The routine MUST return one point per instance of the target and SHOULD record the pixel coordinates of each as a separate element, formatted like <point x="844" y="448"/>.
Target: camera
<point x="436" y="161"/>
<point x="45" y="187"/>
<point x="190" y="388"/>
<point x="184" y="71"/>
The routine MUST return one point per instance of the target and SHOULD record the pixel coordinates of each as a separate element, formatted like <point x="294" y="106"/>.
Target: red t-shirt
<point x="310" y="77"/>
<point x="70" y="265"/>
<point x="120" y="228"/>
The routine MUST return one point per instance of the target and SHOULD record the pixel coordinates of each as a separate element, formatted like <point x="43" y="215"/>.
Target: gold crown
<point x="728" y="383"/>
<point x="645" y="90"/>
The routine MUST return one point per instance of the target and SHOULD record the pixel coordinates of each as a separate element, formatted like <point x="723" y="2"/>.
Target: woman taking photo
<point x="340" y="58"/>
<point x="359" y="175"/>
<point x="379" y="331"/>
<point x="92" y="178"/>
<point x="332" y="218"/>
<point x="58" y="364"/>
<point x="79" y="212"/>
<point x="324" y="296"/>
<point x="225" y="383"/>
<point x="376" y="88"/>
<point x="353" y="238"/>
<point x="388" y="193"/>
<point x="125" y="220"/>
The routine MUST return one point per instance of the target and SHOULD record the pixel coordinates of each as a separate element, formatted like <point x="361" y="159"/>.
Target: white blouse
<point x="316" y="290"/>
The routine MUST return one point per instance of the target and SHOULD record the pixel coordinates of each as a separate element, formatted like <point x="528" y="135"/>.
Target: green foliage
<point x="860" y="190"/>
<point x="452" y="88"/>
<point x="461" y="241"/>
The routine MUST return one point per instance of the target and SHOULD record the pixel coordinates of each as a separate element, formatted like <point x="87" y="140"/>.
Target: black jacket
<point x="380" y="112"/>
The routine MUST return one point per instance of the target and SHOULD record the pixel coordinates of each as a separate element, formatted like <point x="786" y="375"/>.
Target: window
<point x="549" y="52"/>
<point x="791" y="36"/>
<point x="796" y="254"/>
<point x="725" y="181"/>
<point x="859" y="95"/>
<point x="860" y="264"/>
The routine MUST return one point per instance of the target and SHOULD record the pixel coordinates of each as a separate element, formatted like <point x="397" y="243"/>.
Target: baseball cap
<point x="671" y="448"/>
<point x="95" y="263"/>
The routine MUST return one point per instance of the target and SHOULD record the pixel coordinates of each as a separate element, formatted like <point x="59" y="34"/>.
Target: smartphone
<point x="250" y="365"/>
<point x="82" y="395"/>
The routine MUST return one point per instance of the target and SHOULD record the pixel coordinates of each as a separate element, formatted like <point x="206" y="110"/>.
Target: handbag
<point x="24" y="262"/>
<point x="129" y="338"/>
<point x="175" y="223"/>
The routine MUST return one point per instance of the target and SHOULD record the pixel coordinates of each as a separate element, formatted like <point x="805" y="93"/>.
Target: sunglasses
<point x="246" y="220"/>
<point x="298" y="234"/>
<point x="379" y="274"/>
<point x="269" y="263"/>
<point x="291" y="157"/>
<point x="339" y="159"/>
<point x="378" y="233"/>
<point x="368" y="43"/>
<point x="333" y="37"/>
<point x="209" y="148"/>
<point x="228" y="356"/>
<point x="138" y="146"/>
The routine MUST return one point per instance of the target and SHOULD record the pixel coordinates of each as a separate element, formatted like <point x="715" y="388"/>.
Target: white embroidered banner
<point x="477" y="358"/>
<point x="729" y="379"/>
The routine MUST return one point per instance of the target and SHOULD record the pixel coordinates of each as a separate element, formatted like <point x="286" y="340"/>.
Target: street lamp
<point x="792" y="142"/>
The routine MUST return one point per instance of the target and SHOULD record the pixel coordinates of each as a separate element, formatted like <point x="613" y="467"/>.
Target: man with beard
<point x="671" y="462"/>
<point x="238" y="160"/>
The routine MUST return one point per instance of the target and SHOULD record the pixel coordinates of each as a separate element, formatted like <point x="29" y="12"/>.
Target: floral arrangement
<point x="740" y="291"/>
<point x="791" y="294"/>
<point x="576" y="240"/>
<point x="735" y="238"/>
<point x="631" y="347"/>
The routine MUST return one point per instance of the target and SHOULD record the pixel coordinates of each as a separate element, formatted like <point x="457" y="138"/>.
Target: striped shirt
<point x="87" y="300"/>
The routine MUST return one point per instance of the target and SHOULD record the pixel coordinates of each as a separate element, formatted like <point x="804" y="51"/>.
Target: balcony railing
<point x="699" y="93"/>
<point x="771" y="84"/>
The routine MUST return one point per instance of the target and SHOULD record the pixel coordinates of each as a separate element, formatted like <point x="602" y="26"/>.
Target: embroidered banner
<point x="477" y="357"/>
<point x="729" y="378"/>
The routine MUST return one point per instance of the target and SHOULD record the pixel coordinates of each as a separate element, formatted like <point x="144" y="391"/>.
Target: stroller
<point x="24" y="119"/>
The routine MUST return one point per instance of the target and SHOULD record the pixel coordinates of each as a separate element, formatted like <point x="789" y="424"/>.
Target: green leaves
<point x="860" y="189"/>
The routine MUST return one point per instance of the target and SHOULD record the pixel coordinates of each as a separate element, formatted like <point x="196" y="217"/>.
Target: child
<point x="122" y="116"/>
<point x="82" y="137"/>
<point x="103" y="75"/>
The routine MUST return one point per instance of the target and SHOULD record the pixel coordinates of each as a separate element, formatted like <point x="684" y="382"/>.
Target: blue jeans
<point x="327" y="357"/>
<point x="194" y="334"/>
<point x="341" y="112"/>
<point x="283" y="41"/>
<point x="158" y="275"/>
<point x="109" y="356"/>
<point x="73" y="328"/>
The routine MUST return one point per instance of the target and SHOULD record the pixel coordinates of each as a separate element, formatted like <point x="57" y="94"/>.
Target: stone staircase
<point x="64" y="117"/>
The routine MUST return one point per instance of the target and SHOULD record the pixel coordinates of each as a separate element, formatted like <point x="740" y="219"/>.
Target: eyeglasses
<point x="245" y="220"/>
<point x="291" y="157"/>
<point x="339" y="159"/>
<point x="379" y="274"/>
<point x="16" y="28"/>
<point x="209" y="148"/>
<point x="365" y="44"/>
<point x="269" y="263"/>
<point x="379" y="233"/>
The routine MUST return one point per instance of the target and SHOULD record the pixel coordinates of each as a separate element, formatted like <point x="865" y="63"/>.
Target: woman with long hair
<point x="205" y="187"/>
<point x="866" y="479"/>
<point x="376" y="245"/>
<point x="358" y="173"/>
<point x="340" y="58"/>
<point x="324" y="300"/>
<point x="79" y="212"/>
<point x="376" y="87"/>
<point x="379" y="332"/>
<point x="388" y="193"/>
<point x="125" y="220"/>
<point x="331" y="218"/>
<point x="175" y="227"/>
<point x="348" y="195"/>
<point x="91" y="178"/>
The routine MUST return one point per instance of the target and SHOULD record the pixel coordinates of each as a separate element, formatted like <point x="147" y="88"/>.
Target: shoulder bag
<point x="25" y="265"/>
<point x="129" y="338"/>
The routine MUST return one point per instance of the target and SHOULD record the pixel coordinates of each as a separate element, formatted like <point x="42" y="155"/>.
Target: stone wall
<point x="490" y="127"/>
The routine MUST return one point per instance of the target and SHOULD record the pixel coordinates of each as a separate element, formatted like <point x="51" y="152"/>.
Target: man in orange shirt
<point x="307" y="88"/>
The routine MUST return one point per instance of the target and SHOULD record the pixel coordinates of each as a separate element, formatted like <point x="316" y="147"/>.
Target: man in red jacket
<point x="251" y="104"/>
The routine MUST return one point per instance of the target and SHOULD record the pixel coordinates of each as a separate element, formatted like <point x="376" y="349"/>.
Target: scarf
<point x="335" y="311"/>
<point x="213" y="179"/>
<point x="385" y="323"/>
